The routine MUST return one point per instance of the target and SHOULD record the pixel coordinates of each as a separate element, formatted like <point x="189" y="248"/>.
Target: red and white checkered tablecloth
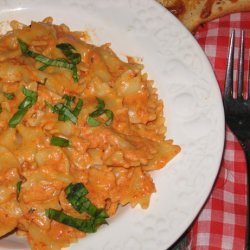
<point x="221" y="224"/>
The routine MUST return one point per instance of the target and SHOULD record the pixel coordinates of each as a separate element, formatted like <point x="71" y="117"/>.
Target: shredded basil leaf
<point x="28" y="102"/>
<point x="75" y="194"/>
<point x="60" y="62"/>
<point x="1" y="108"/>
<point x="31" y="98"/>
<point x="63" y="110"/>
<point x="78" y="107"/>
<point x="110" y="116"/>
<point x="18" y="188"/>
<point x="75" y="74"/>
<point x="69" y="100"/>
<point x="65" y="46"/>
<point x="29" y="92"/>
<point x="23" y="46"/>
<point x="42" y="68"/>
<point x="9" y="96"/>
<point x="99" y="111"/>
<point x="59" y="141"/>
<point x="92" y="122"/>
<point x="64" y="113"/>
<point x="69" y="51"/>
<point x="87" y="226"/>
<point x="101" y="103"/>
<point x="17" y="117"/>
<point x="75" y="58"/>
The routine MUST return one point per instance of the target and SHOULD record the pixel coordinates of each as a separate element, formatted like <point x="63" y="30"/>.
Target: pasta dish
<point x="80" y="131"/>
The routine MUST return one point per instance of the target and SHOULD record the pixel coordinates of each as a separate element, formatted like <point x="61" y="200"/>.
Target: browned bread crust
<point x="193" y="13"/>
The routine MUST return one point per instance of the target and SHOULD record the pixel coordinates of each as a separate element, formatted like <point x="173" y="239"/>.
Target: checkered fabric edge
<point x="221" y="223"/>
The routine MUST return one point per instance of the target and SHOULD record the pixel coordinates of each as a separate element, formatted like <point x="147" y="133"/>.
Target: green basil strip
<point x="23" y="46"/>
<point x="41" y="58"/>
<point x="99" y="111"/>
<point x="75" y="194"/>
<point x="92" y="122"/>
<point x="75" y="74"/>
<point x="87" y="226"/>
<point x="56" y="108"/>
<point x="110" y="116"/>
<point x="75" y="191"/>
<point x="59" y="141"/>
<point x="42" y="68"/>
<point x="78" y="107"/>
<point x="31" y="98"/>
<point x="18" y="188"/>
<point x="73" y="57"/>
<point x="61" y="62"/>
<point x="101" y="104"/>
<point x="17" y="117"/>
<point x="69" y="100"/>
<point x="9" y="96"/>
<point x="1" y="108"/>
<point x="64" y="113"/>
<point x="63" y="110"/>
<point x="28" y="102"/>
<point x="68" y="51"/>
<point x="65" y="46"/>
<point x="30" y="93"/>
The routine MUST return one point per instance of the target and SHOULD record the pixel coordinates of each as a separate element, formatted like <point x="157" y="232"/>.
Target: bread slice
<point x="193" y="13"/>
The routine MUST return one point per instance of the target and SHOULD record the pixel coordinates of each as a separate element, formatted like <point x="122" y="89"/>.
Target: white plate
<point x="193" y="108"/>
